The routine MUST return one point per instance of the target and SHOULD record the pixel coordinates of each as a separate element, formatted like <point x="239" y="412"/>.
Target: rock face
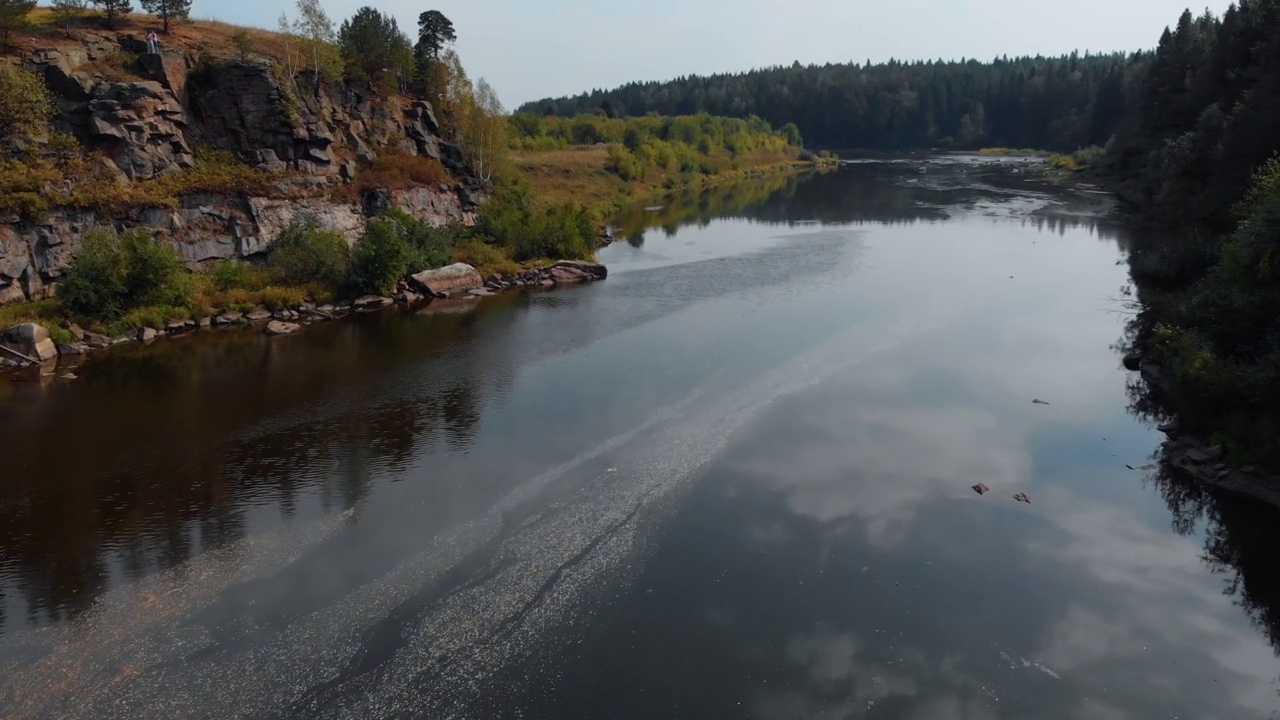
<point x="317" y="134"/>
<point x="452" y="280"/>
<point x="31" y="340"/>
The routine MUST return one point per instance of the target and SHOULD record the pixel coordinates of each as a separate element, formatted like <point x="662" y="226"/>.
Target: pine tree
<point x="167" y="10"/>
<point x="435" y="31"/>
<point x="374" y="49"/>
<point x="114" y="9"/>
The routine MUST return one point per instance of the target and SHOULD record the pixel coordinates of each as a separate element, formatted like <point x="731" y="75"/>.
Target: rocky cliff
<point x="143" y="116"/>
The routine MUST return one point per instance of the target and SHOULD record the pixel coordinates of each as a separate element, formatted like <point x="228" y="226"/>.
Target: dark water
<point x="732" y="481"/>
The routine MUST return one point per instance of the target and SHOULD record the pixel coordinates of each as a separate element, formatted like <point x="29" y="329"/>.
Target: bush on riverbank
<point x="115" y="273"/>
<point x="382" y="258"/>
<point x="304" y="252"/>
<point x="130" y="280"/>
<point x="562" y="232"/>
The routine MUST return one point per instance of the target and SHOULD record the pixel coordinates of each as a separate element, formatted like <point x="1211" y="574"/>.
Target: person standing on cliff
<point x="153" y="43"/>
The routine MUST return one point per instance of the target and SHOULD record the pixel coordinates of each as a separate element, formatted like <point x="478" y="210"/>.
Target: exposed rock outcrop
<point x="316" y="134"/>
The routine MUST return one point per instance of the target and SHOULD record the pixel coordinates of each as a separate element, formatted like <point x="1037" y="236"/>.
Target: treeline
<point x="1198" y="157"/>
<point x="1060" y="103"/>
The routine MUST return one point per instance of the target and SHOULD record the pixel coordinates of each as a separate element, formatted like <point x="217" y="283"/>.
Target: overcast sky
<point x="531" y="49"/>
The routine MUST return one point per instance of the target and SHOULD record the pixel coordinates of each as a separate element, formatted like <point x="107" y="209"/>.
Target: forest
<point x="1196" y="156"/>
<point x="1061" y="103"/>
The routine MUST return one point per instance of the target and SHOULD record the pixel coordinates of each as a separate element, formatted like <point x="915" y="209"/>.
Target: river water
<point x="731" y="481"/>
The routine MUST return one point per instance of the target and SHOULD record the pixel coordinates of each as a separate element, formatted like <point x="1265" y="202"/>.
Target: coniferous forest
<point x="1051" y="103"/>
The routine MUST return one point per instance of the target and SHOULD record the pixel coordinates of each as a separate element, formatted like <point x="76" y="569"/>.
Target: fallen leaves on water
<point x="981" y="489"/>
<point x="1023" y="498"/>
<point x="1142" y="468"/>
<point x="1038" y="401"/>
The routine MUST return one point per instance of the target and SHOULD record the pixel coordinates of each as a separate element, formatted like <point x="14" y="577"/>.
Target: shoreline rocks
<point x="30" y="340"/>
<point x="26" y="342"/>
<point x="1201" y="460"/>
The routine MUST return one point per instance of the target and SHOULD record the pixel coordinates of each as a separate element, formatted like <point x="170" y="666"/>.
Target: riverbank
<point x="583" y="175"/>
<point x="31" y="345"/>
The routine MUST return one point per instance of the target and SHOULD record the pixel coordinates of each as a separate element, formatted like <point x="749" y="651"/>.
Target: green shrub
<point x="625" y="163"/>
<point x="115" y="273"/>
<point x="279" y="298"/>
<point x="381" y="258"/>
<point x="304" y="252"/>
<point x="561" y="232"/>
<point x="485" y="257"/>
<point x="433" y="246"/>
<point x="154" y="316"/>
<point x="229" y="275"/>
<point x="25" y="107"/>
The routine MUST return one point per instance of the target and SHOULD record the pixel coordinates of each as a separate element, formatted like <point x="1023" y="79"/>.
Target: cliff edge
<point x="212" y="152"/>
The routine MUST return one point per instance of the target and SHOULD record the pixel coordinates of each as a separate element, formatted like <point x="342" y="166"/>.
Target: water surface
<point x="732" y="481"/>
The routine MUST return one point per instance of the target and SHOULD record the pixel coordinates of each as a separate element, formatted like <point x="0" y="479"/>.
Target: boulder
<point x="78" y="348"/>
<point x="147" y="335"/>
<point x="31" y="340"/>
<point x="450" y="280"/>
<point x="372" y="302"/>
<point x="229" y="317"/>
<point x="276" y="327"/>
<point x="596" y="271"/>
<point x="260" y="313"/>
<point x="96" y="341"/>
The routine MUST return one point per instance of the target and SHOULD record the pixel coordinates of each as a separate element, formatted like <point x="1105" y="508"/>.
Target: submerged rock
<point x="277" y="327"/>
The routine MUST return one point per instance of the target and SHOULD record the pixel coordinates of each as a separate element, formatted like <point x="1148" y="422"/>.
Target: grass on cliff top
<point x="582" y="175"/>
<point x="196" y="36"/>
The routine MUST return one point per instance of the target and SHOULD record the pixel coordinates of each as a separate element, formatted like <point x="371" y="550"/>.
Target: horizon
<point x="520" y="48"/>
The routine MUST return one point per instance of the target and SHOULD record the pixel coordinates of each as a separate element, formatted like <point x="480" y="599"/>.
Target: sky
<point x="532" y="49"/>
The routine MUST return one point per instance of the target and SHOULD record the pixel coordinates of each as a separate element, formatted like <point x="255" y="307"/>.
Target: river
<point x="732" y="481"/>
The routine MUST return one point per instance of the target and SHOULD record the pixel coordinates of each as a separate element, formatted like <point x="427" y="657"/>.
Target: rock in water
<point x="32" y="340"/>
<point x="572" y="271"/>
<point x="371" y="302"/>
<point x="276" y="327"/>
<point x="147" y="335"/>
<point x="451" y="280"/>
